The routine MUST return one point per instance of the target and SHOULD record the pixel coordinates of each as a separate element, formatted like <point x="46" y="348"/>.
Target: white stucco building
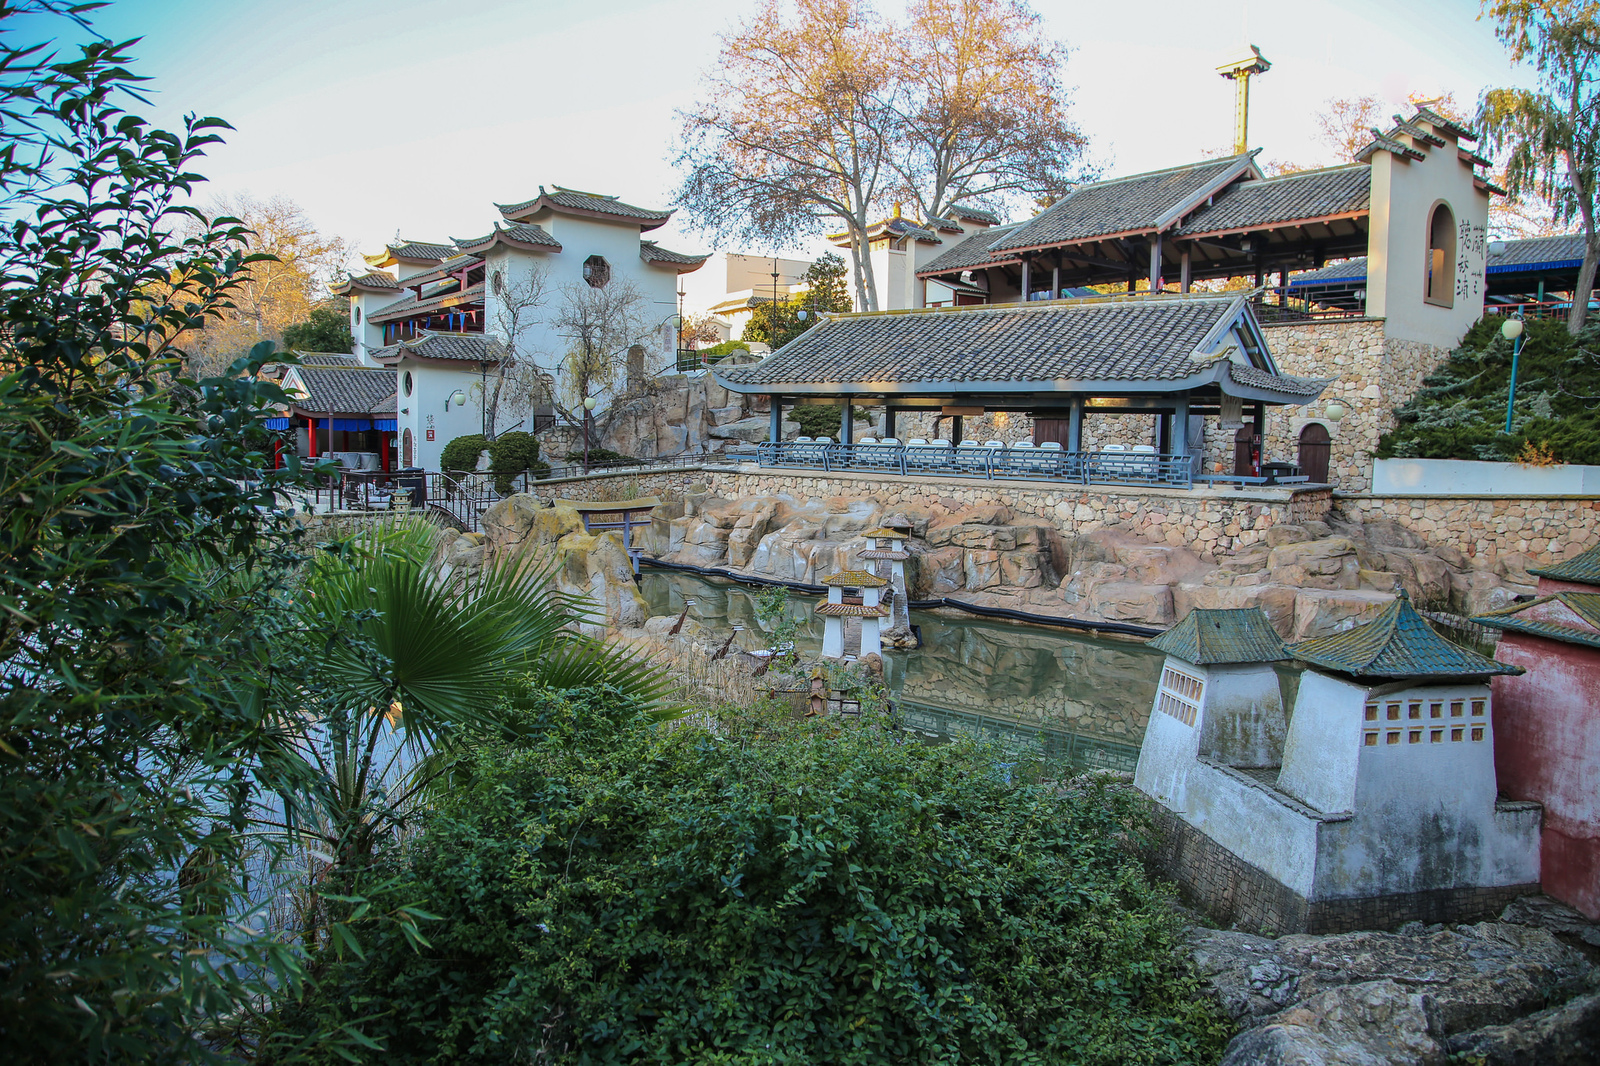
<point x="1376" y="803"/>
<point x="449" y="313"/>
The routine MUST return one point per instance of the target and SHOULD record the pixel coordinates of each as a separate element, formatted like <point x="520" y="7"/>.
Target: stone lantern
<point x="852" y="594"/>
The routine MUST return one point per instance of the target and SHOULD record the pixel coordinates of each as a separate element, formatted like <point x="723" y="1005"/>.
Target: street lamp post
<point x="1511" y="330"/>
<point x="588" y="414"/>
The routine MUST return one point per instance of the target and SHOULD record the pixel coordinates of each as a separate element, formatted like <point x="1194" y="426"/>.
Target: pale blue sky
<point x="418" y="114"/>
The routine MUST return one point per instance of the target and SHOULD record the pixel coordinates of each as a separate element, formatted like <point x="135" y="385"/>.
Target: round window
<point x="408" y="384"/>
<point x="596" y="271"/>
<point x="358" y="316"/>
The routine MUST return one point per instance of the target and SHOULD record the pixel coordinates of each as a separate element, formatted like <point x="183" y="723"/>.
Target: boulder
<point x="1321" y="612"/>
<point x="1568" y="1035"/>
<point x="1371" y="1024"/>
<point x="749" y="430"/>
<point x="1277" y="601"/>
<point x="1126" y="601"/>
<point x="522" y="518"/>
<point x="1329" y="563"/>
<point x="1426" y="577"/>
<point x="981" y="570"/>
<point x="596" y="566"/>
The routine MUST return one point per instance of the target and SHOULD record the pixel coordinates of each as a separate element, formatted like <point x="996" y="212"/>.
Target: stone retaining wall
<point x="1544" y="529"/>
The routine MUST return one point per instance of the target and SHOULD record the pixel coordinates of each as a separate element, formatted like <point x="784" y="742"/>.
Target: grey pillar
<point x="775" y="430"/>
<point x="1027" y="266"/>
<point x="1179" y="434"/>
<point x="1155" y="263"/>
<point x="1055" y="280"/>
<point x="847" y="424"/>
<point x="1075" y="426"/>
<point x="955" y="430"/>
<point x="1184" y="277"/>
<point x="888" y="421"/>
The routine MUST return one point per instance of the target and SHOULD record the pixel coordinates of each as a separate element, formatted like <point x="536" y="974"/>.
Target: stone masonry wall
<point x="1372" y="376"/>
<point x="1543" y="529"/>
<point x="1208" y="521"/>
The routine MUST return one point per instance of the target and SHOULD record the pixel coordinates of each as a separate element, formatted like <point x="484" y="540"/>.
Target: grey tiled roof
<point x="1313" y="194"/>
<point x="974" y="251"/>
<point x="1585" y="569"/>
<point x="465" y="347"/>
<point x="1397" y="643"/>
<point x="586" y="201"/>
<point x="385" y="405"/>
<point x="325" y="358"/>
<point x="1255" y="377"/>
<point x="1465" y="133"/>
<point x="1349" y="270"/>
<point x="520" y="232"/>
<point x="1564" y="249"/>
<point x="651" y="252"/>
<point x="345" y="390"/>
<point x="1050" y="343"/>
<point x="372" y="279"/>
<point x="1540" y="619"/>
<point x="1230" y="635"/>
<point x="1122" y="205"/>
<point x="423" y="250"/>
<point x="412" y="306"/>
<point x="944" y="225"/>
<point x="974" y="214"/>
<point x="1383" y="142"/>
<point x="904" y="227"/>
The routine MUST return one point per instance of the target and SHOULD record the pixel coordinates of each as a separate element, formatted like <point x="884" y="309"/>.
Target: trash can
<point x="413" y="479"/>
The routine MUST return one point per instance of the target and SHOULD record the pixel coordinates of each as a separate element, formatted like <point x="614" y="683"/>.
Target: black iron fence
<point x="988" y="461"/>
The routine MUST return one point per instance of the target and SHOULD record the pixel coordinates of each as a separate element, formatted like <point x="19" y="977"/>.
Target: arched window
<point x="1441" y="279"/>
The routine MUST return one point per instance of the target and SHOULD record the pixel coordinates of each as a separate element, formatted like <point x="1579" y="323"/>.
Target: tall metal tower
<point x="1239" y="70"/>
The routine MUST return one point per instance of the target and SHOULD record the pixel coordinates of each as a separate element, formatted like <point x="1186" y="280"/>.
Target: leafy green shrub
<point x="717" y="351"/>
<point x="515" y="453"/>
<point x="822" y="421"/>
<point x="600" y="455"/>
<point x="776" y="892"/>
<point x="462" y="453"/>
<point x="1460" y="411"/>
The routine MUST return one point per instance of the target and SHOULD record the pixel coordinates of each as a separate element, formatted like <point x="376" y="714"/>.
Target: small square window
<point x="1370" y="740"/>
<point x="1435" y="710"/>
<point x="1477" y="732"/>
<point x="1394" y="737"/>
<point x="1478" y="708"/>
<point x="1414" y="710"/>
<point x="1457" y="708"/>
<point x="1393" y="711"/>
<point x="1455" y="734"/>
<point x="1372" y="712"/>
<point x="1435" y="736"/>
<point x="1414" y="737"/>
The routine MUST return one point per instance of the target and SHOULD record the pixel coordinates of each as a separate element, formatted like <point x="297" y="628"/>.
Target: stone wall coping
<point x="631" y="471"/>
<point x="1456" y="496"/>
<point x="1304" y="322"/>
<point x="1260" y="495"/>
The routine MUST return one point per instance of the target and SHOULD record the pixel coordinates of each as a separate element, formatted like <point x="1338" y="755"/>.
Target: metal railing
<point x="1041" y="464"/>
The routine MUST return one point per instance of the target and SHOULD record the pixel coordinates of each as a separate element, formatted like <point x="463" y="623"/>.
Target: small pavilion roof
<point x="343" y="390"/>
<point x="1570" y="617"/>
<point x="576" y="202"/>
<point x="852" y="610"/>
<point x="1399" y="643"/>
<point x="854" y="579"/>
<point x="651" y="252"/>
<point x="453" y="347"/>
<point x="371" y="281"/>
<point x="885" y="532"/>
<point x="1209" y="637"/>
<point x="973" y="214"/>
<point x="1585" y="569"/>
<point x="1164" y="344"/>
<point x="411" y="252"/>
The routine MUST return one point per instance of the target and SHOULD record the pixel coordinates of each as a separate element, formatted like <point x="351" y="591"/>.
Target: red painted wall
<point x="1547" y="748"/>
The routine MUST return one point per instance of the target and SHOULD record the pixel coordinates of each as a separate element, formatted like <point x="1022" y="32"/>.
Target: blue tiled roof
<point x="1398" y="643"/>
<point x="1231" y="635"/>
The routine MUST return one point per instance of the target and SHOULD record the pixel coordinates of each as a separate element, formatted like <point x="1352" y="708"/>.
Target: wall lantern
<point x="458" y="398"/>
<point x="1333" y="411"/>
<point x="1361" y="296"/>
<point x="1497" y="248"/>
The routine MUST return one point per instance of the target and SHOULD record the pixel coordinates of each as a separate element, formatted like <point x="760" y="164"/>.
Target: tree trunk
<point x="1584" y="290"/>
<point x="857" y="272"/>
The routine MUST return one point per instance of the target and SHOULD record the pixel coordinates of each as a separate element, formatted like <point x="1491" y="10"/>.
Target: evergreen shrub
<point x="461" y="454"/>
<point x="822" y="421"/>
<point x="1460" y="411"/>
<point x="774" y="892"/>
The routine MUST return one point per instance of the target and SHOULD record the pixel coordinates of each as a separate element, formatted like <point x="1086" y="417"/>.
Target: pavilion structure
<point x="852" y="594"/>
<point x="340" y="408"/>
<point x="888" y="552"/>
<point x="1165" y="358"/>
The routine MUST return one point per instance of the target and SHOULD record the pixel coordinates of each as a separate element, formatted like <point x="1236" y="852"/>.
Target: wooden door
<point x="1314" y="449"/>
<point x="1246" y="451"/>
<point x="405" y="449"/>
<point x="1048" y="429"/>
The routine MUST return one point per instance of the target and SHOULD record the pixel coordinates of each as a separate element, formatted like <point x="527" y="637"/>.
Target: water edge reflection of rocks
<point x="1077" y="697"/>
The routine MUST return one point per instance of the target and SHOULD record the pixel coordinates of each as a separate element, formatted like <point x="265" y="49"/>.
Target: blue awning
<point x="352" y="425"/>
<point x="389" y="424"/>
<point x="278" y="423"/>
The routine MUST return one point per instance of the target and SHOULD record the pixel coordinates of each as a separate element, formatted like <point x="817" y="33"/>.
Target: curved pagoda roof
<point x="1570" y="617"/>
<point x="1583" y="570"/>
<point x="1208" y="637"/>
<point x="1399" y="643"/>
<point x="854" y="579"/>
<point x="1108" y="345"/>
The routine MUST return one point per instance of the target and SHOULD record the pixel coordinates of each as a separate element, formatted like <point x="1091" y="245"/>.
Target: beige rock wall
<point x="1516" y="527"/>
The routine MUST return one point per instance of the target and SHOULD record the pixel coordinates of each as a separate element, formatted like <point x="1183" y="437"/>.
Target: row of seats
<point x="918" y="442"/>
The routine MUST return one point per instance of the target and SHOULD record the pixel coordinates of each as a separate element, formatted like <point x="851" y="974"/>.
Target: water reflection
<point x="1077" y="697"/>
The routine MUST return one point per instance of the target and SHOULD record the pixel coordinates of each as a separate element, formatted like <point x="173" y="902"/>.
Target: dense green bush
<point x="717" y="351"/>
<point x="462" y="453"/>
<point x="600" y="455"/>
<point x="822" y="421"/>
<point x="777" y="892"/>
<point x="515" y="453"/>
<point x="1460" y="411"/>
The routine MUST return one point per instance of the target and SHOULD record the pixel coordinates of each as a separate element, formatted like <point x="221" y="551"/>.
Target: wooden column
<point x="775" y="425"/>
<point x="1055" y="280"/>
<point x="1283" y="286"/>
<point x="1180" y="425"/>
<point x="1184" y="278"/>
<point x="311" y="435"/>
<point x="1155" y="263"/>
<point x="383" y="450"/>
<point x="955" y="430"/>
<point x="1027" y="267"/>
<point x="888" y="420"/>
<point x="1075" y="425"/>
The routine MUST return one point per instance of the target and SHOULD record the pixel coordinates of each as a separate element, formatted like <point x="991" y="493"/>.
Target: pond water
<point x="1076" y="696"/>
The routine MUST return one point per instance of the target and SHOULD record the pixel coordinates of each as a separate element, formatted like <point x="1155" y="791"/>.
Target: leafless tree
<point x="599" y="325"/>
<point x="517" y="386"/>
